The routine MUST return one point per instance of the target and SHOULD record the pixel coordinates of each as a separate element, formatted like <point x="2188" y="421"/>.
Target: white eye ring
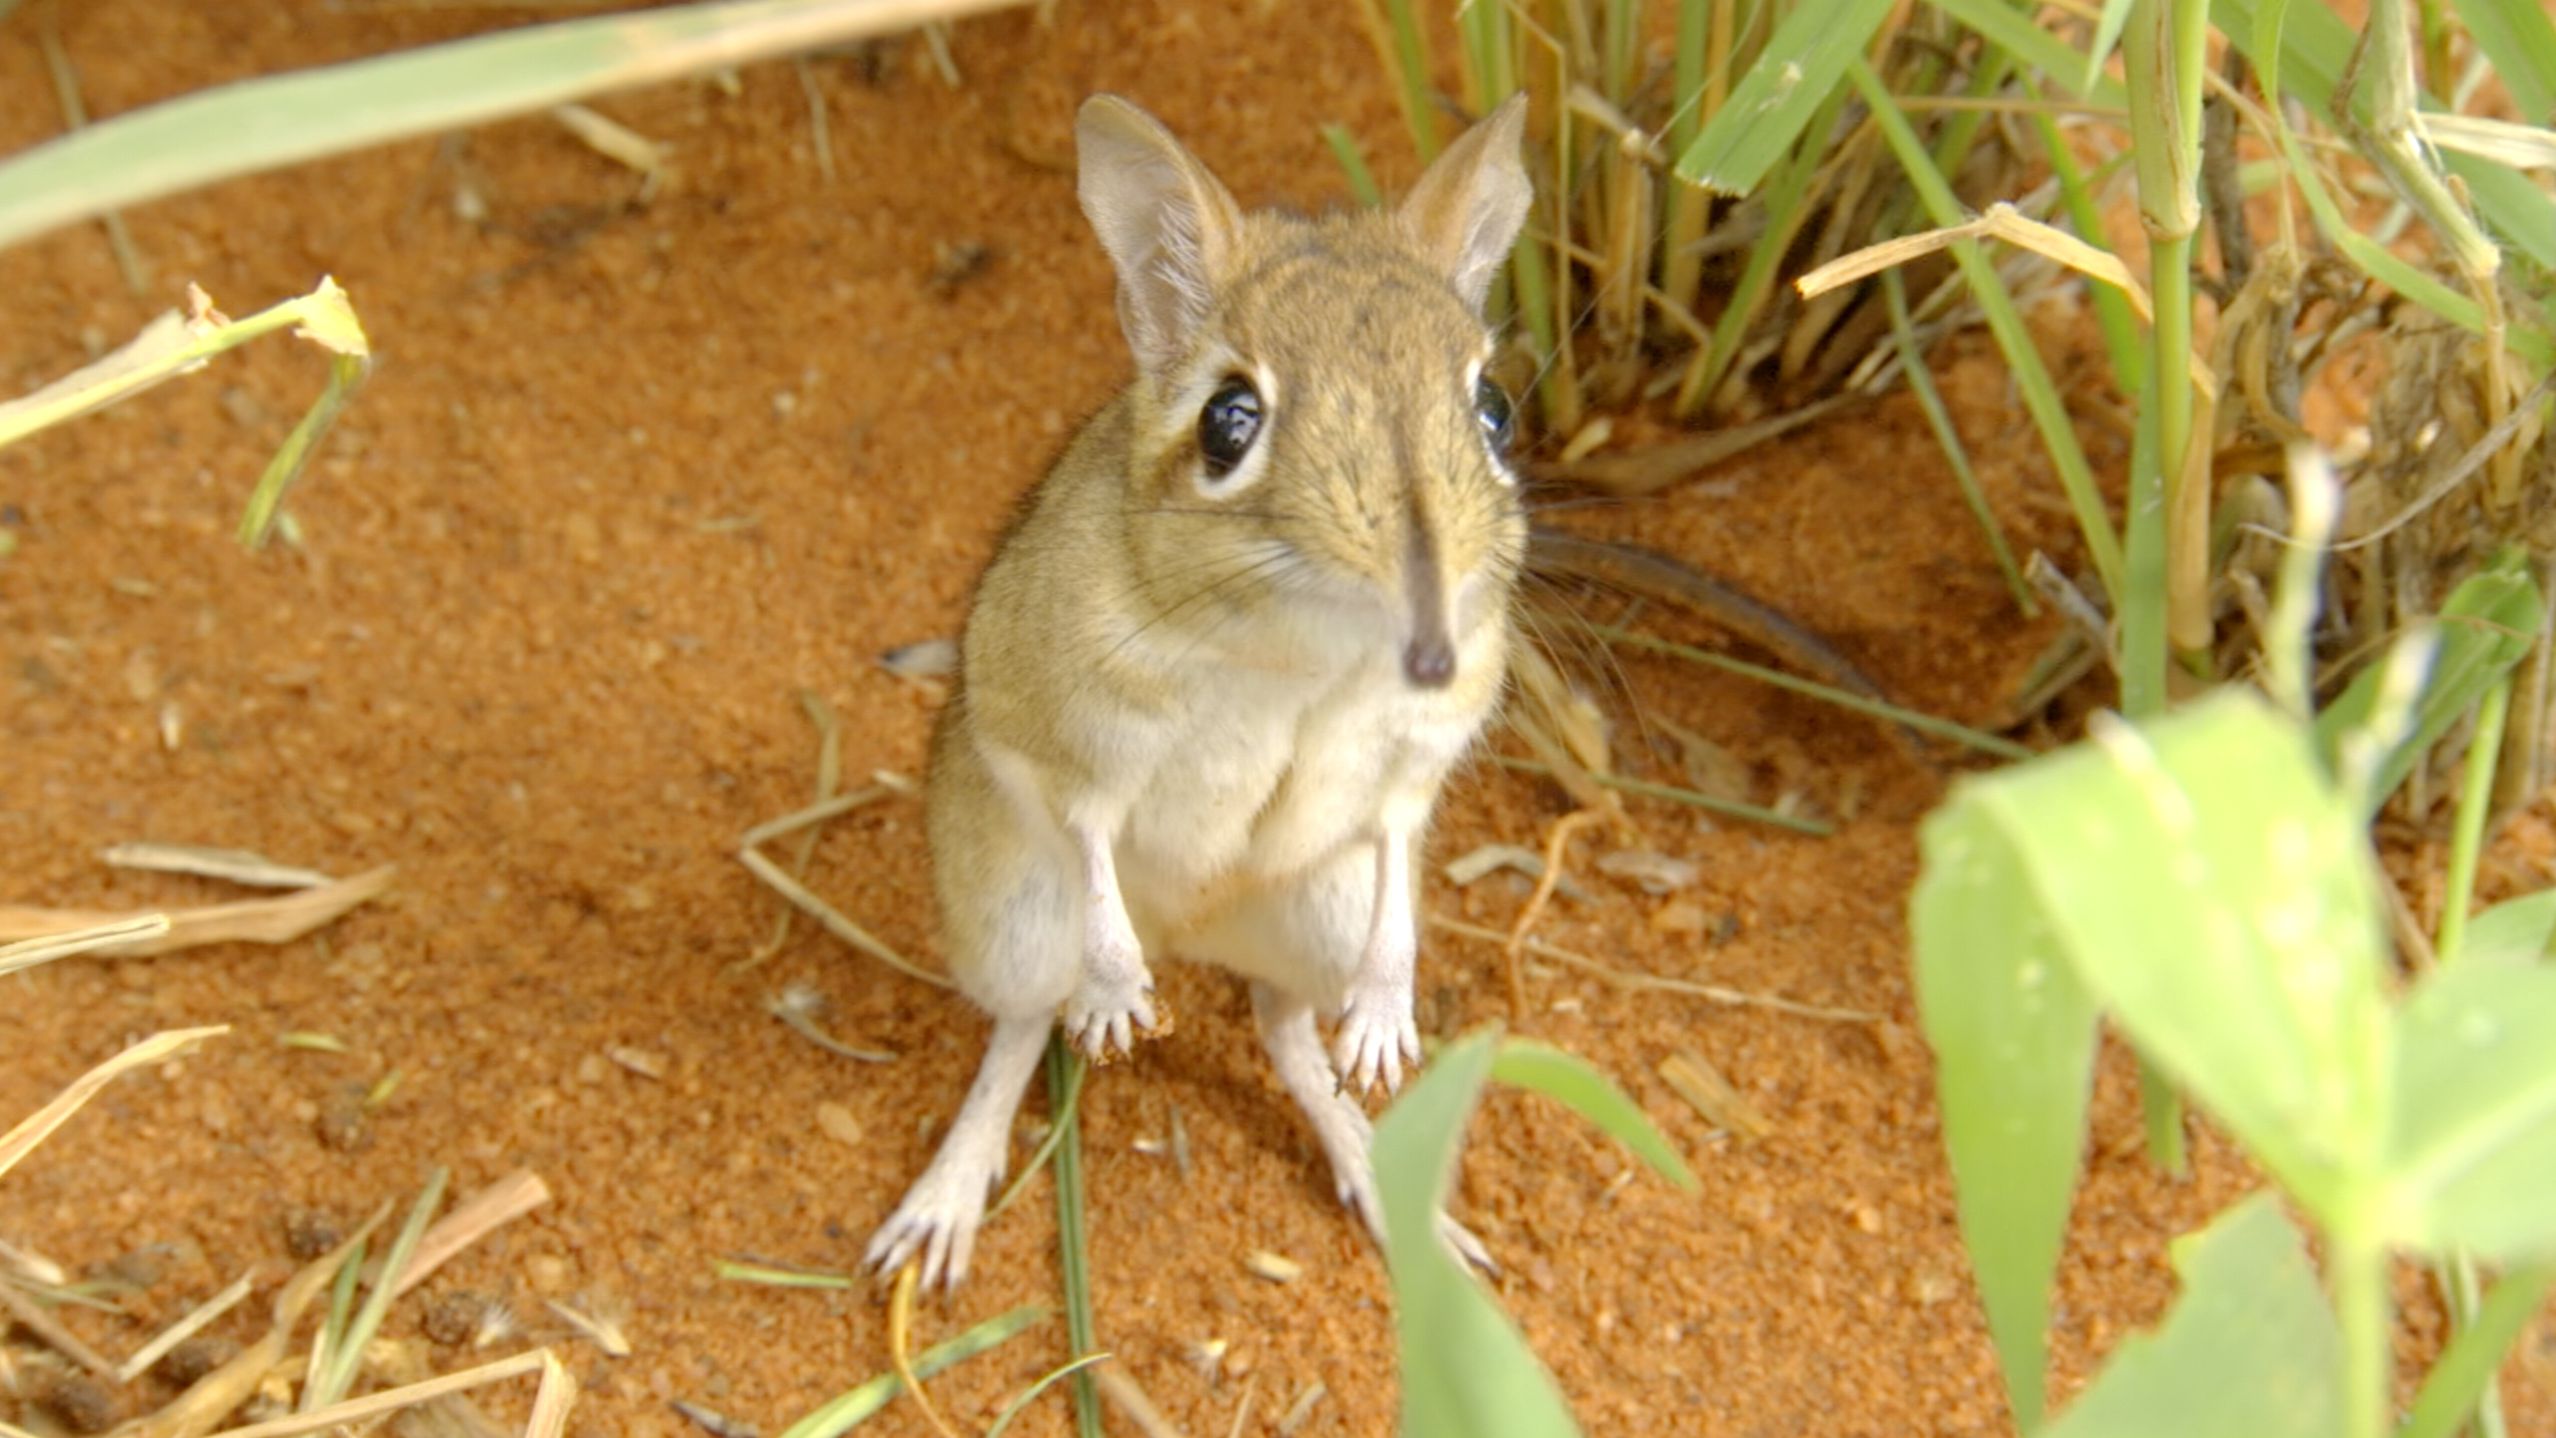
<point x="1494" y="412"/>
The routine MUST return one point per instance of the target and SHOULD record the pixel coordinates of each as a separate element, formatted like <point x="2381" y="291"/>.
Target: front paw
<point x="1107" y="1012"/>
<point x="1375" y="1038"/>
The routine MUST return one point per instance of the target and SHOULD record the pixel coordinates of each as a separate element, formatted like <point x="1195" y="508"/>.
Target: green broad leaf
<point x="2013" y="1034"/>
<point x="2248" y="1351"/>
<point x="2214" y="892"/>
<point x="1466" y="1370"/>
<point x="2485" y="629"/>
<point x="2517" y="931"/>
<point x="1569" y="1080"/>
<point x="2471" y="1157"/>
<point x="1795" y="74"/>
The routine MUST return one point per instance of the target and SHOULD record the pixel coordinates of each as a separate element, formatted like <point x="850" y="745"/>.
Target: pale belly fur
<point x="1266" y="779"/>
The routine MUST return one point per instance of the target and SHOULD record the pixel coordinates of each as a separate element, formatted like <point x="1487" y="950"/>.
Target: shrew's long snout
<point x="1428" y="656"/>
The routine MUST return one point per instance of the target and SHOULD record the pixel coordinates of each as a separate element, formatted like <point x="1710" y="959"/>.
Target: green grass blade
<point x="2010" y="27"/>
<point x="2467" y="827"/>
<point x="2013" y="1034"/>
<point x="1071" y="1106"/>
<point x="1353" y="165"/>
<point x="1411" y="70"/>
<point x="2249" y="1350"/>
<point x="1730" y="808"/>
<point x="858" y="1404"/>
<point x="1073" y="1258"/>
<point x="1569" y="1080"/>
<point x="2467" y="1366"/>
<point x="2116" y="14"/>
<point x="1921" y="383"/>
<point x="1623" y="49"/>
<point x="735" y="1272"/>
<point x="2520" y="40"/>
<point x="1023" y="1399"/>
<point x="2005" y="321"/>
<point x="341" y="1311"/>
<point x="1785" y="216"/>
<point x="2112" y="308"/>
<point x="254" y="125"/>
<point x="347" y="1355"/>
<point x="1978" y="739"/>
<point x="2315" y="48"/>
<point x="266" y="501"/>
<point x="1790" y="82"/>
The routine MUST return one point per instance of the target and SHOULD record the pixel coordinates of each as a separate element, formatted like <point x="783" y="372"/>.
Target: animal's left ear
<point x="1466" y="211"/>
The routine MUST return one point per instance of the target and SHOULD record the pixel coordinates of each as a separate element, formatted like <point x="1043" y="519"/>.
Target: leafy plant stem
<point x="2187" y="516"/>
<point x="2140" y="654"/>
<point x="2358" y="1267"/>
<point x="2475" y="801"/>
<point x="2467" y="838"/>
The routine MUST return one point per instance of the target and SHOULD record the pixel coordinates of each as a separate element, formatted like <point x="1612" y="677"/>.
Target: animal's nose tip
<point x="1429" y="662"/>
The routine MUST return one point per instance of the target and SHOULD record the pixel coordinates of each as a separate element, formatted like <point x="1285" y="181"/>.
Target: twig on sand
<point x="1622" y="978"/>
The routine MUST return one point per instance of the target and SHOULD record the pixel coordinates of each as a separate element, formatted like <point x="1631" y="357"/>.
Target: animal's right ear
<point x="1467" y="208"/>
<point x="1168" y="225"/>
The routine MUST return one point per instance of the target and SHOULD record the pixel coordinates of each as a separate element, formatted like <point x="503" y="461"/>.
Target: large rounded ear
<point x="1466" y="211"/>
<point x="1167" y="224"/>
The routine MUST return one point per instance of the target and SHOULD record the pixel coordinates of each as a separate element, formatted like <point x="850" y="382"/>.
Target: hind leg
<point x="937" y="1222"/>
<point x="1013" y="930"/>
<point x="1295" y="1050"/>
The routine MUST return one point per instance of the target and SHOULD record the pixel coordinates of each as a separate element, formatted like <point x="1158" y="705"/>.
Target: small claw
<point x="1107" y="1029"/>
<point x="935" y="1252"/>
<point x="1467" y="1247"/>
<point x="1367" y="1050"/>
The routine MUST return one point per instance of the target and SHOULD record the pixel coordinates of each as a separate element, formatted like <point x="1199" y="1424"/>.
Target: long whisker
<point x="1199" y="511"/>
<point x="1282" y="554"/>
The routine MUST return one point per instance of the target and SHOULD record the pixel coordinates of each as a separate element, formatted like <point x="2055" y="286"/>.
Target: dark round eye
<point x="1491" y="406"/>
<point x="1228" y="424"/>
